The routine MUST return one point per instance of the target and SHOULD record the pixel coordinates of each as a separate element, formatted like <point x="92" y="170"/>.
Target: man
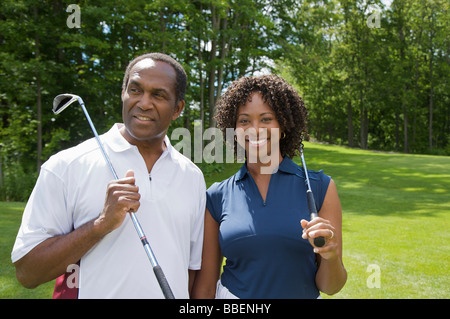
<point x="71" y="227"/>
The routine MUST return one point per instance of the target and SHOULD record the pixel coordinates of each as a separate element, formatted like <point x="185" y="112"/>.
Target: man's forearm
<point x="50" y="259"/>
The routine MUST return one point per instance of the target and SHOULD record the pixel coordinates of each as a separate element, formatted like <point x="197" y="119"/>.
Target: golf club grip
<point x="318" y="241"/>
<point x="163" y="282"/>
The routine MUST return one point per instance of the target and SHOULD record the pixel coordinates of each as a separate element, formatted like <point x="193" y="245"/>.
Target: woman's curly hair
<point x="283" y="99"/>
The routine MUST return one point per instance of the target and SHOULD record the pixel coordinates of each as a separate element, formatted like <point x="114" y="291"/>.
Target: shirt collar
<point x="118" y="143"/>
<point x="115" y="139"/>
<point x="242" y="172"/>
<point x="286" y="166"/>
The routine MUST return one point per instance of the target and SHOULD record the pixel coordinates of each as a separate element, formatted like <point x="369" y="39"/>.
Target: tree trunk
<point x="162" y="28"/>
<point x="38" y="98"/>
<point x="405" y="122"/>
<point x="363" y="121"/>
<point x="350" y="124"/>
<point x="364" y="129"/>
<point x="215" y="19"/>
<point x="430" y="104"/>
<point x="416" y="98"/>
<point x="202" y="89"/>
<point x="397" y="130"/>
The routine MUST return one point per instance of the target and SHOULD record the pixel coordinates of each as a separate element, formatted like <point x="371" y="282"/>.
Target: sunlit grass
<point x="395" y="215"/>
<point x="10" y="218"/>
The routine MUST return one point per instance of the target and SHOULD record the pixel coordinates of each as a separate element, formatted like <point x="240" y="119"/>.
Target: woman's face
<point x="258" y="130"/>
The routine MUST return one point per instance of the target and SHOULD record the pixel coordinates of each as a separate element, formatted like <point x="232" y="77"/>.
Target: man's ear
<point x="179" y="107"/>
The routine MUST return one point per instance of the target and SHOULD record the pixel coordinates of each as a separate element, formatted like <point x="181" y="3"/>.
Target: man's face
<point x="149" y="101"/>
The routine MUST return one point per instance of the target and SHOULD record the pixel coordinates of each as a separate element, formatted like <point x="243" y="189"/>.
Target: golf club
<point x="318" y="241"/>
<point x="60" y="103"/>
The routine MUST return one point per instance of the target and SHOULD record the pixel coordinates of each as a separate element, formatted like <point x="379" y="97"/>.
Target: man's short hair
<point x="181" y="77"/>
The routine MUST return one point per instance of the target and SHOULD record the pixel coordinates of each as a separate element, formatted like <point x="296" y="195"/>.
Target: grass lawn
<point x="10" y="218"/>
<point x="395" y="223"/>
<point x="395" y="216"/>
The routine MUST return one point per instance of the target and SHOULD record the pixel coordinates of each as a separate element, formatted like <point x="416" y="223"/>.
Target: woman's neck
<point x="257" y="169"/>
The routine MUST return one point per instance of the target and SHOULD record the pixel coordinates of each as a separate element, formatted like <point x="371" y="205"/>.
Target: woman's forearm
<point x="331" y="276"/>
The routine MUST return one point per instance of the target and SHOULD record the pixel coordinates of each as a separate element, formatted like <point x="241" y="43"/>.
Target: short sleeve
<point x="319" y="183"/>
<point x="214" y="201"/>
<point x="197" y="226"/>
<point x="45" y="214"/>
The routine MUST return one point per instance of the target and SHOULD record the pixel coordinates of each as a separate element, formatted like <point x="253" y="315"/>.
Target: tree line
<point x="373" y="74"/>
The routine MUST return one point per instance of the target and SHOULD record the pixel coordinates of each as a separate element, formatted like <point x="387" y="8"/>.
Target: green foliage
<point x="18" y="183"/>
<point x="383" y="88"/>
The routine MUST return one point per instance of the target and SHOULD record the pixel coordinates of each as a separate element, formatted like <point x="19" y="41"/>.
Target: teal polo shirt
<point x="266" y="256"/>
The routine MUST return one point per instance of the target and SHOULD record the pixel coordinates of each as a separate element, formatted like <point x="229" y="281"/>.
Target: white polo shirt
<point x="70" y="191"/>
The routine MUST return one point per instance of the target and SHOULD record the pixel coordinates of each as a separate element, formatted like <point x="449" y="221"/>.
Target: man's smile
<point x="143" y="118"/>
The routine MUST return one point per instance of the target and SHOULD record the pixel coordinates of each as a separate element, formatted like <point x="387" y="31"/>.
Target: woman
<point x="259" y="221"/>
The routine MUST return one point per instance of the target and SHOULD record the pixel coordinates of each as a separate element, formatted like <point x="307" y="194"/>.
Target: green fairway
<point x="395" y="223"/>
<point x="395" y="217"/>
<point x="10" y="218"/>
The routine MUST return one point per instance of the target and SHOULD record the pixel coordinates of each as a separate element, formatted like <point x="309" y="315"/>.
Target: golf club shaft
<point x="318" y="241"/>
<point x="162" y="280"/>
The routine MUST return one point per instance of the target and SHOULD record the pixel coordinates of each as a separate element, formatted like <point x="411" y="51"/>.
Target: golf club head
<point x="62" y="101"/>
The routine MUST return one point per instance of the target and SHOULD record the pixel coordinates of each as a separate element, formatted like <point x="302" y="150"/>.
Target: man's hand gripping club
<point x="122" y="197"/>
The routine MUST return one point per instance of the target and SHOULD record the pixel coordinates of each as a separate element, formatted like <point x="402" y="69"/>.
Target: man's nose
<point x="145" y="102"/>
